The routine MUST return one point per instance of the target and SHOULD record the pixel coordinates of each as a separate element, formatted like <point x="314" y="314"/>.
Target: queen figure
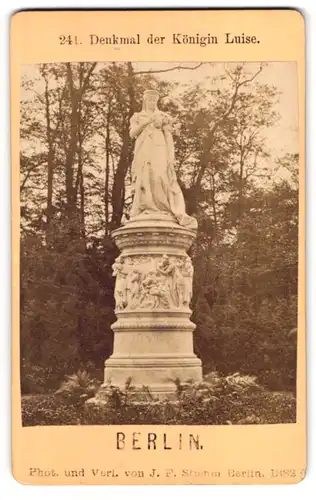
<point x="154" y="182"/>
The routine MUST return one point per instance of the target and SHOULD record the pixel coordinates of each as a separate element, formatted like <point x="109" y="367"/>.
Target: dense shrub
<point x="78" y="386"/>
<point x="37" y="378"/>
<point x="49" y="410"/>
<point x="216" y="401"/>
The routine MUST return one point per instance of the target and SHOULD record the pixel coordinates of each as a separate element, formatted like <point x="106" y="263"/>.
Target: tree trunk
<point x="107" y="169"/>
<point x="119" y="182"/>
<point x="50" y="164"/>
<point x="82" y="207"/>
<point x="240" y="186"/>
<point x="74" y="148"/>
<point x="118" y="191"/>
<point x="213" y="201"/>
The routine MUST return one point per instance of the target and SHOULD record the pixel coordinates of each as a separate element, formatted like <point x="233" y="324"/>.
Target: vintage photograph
<point x="158" y="243"/>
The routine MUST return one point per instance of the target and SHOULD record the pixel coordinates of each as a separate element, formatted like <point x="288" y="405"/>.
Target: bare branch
<point x="252" y="78"/>
<point x="87" y="77"/>
<point x="180" y="66"/>
<point x="28" y="173"/>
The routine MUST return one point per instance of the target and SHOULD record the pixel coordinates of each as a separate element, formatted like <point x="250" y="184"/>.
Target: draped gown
<point x="154" y="181"/>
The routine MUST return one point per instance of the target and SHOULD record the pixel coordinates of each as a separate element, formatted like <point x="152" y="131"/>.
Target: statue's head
<point x="150" y="100"/>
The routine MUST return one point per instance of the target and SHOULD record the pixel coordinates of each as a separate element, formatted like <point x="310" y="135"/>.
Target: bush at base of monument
<point x="216" y="401"/>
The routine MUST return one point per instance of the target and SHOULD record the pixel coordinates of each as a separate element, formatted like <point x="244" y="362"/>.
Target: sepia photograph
<point x="158" y="243"/>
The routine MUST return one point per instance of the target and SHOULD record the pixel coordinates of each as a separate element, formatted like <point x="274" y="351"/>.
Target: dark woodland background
<point x="75" y="175"/>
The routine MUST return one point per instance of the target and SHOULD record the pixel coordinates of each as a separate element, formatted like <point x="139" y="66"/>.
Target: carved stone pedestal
<point x="153" y="341"/>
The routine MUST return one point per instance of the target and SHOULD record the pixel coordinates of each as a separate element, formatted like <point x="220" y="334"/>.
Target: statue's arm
<point x="163" y="272"/>
<point x="136" y="127"/>
<point x="169" y="142"/>
<point x="167" y="130"/>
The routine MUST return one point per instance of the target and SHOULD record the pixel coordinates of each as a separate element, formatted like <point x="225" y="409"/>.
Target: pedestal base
<point x="159" y="373"/>
<point x="153" y="341"/>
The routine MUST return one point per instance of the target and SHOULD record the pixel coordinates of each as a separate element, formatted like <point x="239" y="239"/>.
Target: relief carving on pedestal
<point x="146" y="282"/>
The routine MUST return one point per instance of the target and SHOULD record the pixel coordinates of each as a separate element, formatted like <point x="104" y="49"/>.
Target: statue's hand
<point x="158" y="122"/>
<point x="148" y="121"/>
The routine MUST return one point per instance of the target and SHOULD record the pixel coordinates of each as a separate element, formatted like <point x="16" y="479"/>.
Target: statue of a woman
<point x="120" y="272"/>
<point x="155" y="185"/>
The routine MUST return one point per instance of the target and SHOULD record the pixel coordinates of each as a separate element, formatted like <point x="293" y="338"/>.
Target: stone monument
<point x="153" y="334"/>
